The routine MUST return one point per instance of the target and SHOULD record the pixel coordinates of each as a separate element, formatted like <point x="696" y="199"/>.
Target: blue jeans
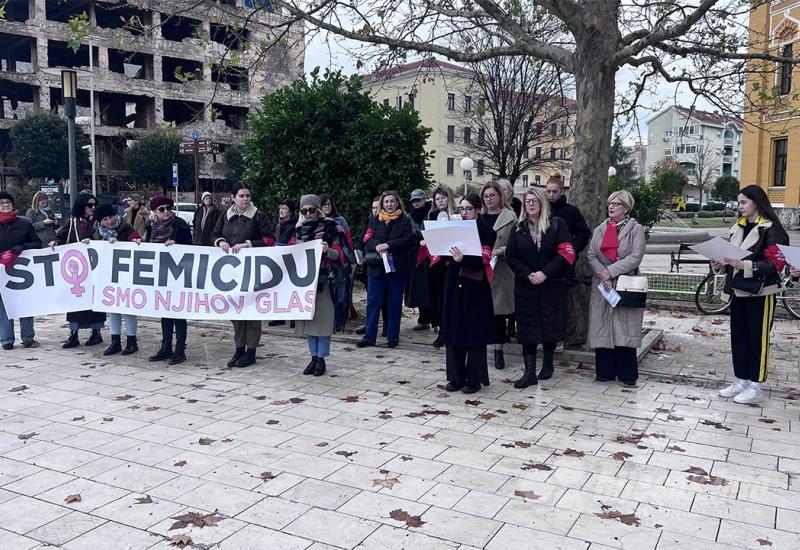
<point x="115" y="324"/>
<point x="392" y="285"/>
<point x="319" y="346"/>
<point x="7" y="327"/>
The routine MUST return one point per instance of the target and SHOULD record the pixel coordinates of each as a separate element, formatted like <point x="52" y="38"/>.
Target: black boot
<point x="72" y="341"/>
<point x="236" y="356"/>
<point x="247" y="359"/>
<point x="163" y="353"/>
<point x="319" y="370"/>
<point x="179" y="356"/>
<point x="311" y="366"/>
<point x="529" y="378"/>
<point x="115" y="346"/>
<point x="499" y="360"/>
<point x="94" y="339"/>
<point x="131" y="346"/>
<point x="547" y="362"/>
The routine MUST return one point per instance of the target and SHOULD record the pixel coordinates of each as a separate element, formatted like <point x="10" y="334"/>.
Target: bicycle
<point x="708" y="296"/>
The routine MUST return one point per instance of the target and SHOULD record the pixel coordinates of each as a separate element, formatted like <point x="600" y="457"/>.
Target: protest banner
<point x="185" y="282"/>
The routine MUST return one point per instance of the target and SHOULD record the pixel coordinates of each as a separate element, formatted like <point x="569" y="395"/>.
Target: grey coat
<point x="610" y="327"/>
<point x="503" y="280"/>
<point x="324" y="311"/>
<point x="45" y="232"/>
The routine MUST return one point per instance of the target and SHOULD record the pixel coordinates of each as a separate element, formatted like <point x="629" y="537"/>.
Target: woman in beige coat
<point x="497" y="214"/>
<point x="137" y="215"/>
<point x="616" y="248"/>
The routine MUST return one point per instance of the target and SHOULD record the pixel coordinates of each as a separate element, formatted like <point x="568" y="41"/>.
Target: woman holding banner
<point x="315" y="225"/>
<point x="81" y="227"/>
<point x="243" y="226"/>
<point x="468" y="312"/>
<point x="169" y="229"/>
<point x="16" y="234"/>
<point x="751" y="285"/>
<point x="112" y="228"/>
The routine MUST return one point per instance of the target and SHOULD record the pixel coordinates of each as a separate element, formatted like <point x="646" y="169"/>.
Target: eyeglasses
<point x="615" y="205"/>
<point x="532" y="201"/>
<point x="6" y="203"/>
<point x="164" y="209"/>
<point x="416" y="200"/>
<point x="465" y="209"/>
<point x="91" y="204"/>
<point x="309" y="210"/>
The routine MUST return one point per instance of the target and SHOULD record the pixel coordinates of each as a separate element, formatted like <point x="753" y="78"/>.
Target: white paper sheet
<point x="493" y="262"/>
<point x="611" y="296"/>
<point x="388" y="262"/>
<point x="792" y="254"/>
<point x="441" y="236"/>
<point x="718" y="249"/>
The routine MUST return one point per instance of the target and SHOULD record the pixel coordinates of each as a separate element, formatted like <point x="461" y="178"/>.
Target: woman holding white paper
<point x="616" y="248"/>
<point x="751" y="285"/>
<point x="468" y="311"/>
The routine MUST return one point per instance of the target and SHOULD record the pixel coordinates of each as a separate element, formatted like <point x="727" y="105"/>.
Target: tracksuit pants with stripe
<point x="751" y="323"/>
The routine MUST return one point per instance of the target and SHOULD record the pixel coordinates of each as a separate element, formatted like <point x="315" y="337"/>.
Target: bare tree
<point x="705" y="163"/>
<point x="516" y="112"/>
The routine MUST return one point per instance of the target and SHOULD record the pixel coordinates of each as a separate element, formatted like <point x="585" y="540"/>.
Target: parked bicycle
<point x="708" y="296"/>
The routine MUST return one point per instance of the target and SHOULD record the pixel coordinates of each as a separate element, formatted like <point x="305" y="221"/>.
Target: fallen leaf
<point x="260" y="397"/>
<point x="123" y="397"/>
<point x="346" y="454"/>
<point x="402" y="515"/>
<point x="72" y="498"/>
<point x="536" y="466"/>
<point x="501" y="411"/>
<point x="764" y="542"/>
<point x="473" y="402"/>
<point x="135" y="407"/>
<point x="693" y="398"/>
<point x="718" y="322"/>
<point x="19" y="388"/>
<point x="627" y="519"/>
<point x="621" y="455"/>
<point x="181" y="541"/>
<point x="180" y="464"/>
<point x="206" y="441"/>
<point x="573" y="453"/>
<point x="350" y="399"/>
<point x="406" y="458"/>
<point x="383" y="472"/>
<point x="676" y="449"/>
<point x="702" y="332"/>
<point x="151" y="409"/>
<point x="696" y="470"/>
<point x="427" y="436"/>
<point x="75" y="419"/>
<point x="272" y="422"/>
<point x="710" y="480"/>
<point x="519" y="406"/>
<point x="197" y="519"/>
<point x="662" y="410"/>
<point x="717" y="425"/>
<point x="530" y="495"/>
<point x="144" y="500"/>
<point x="296" y="400"/>
<point x="487" y="416"/>
<point x="26" y="436"/>
<point x="387" y="483"/>
<point x="266" y="476"/>
<point x="108" y="419"/>
<point x="403" y="382"/>
<point x="767" y="420"/>
<point x="674" y="418"/>
<point x="227" y="440"/>
<point x="191" y="401"/>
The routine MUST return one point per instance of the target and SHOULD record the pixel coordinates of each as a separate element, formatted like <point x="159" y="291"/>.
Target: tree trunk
<point x="595" y="86"/>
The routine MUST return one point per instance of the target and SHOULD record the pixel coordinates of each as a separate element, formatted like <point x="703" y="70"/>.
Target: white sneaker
<point x="751" y="395"/>
<point x="734" y="389"/>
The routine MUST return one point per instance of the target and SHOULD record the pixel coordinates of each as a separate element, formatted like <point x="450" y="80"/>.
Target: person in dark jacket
<point x="81" y="228"/>
<point x="169" y="229"/>
<point x="42" y="217"/>
<point x="359" y="245"/>
<point x="287" y="222"/>
<point x="205" y="220"/>
<point x="417" y="291"/>
<point x="751" y="285"/>
<point x="243" y="226"/>
<point x="16" y="234"/>
<point x="513" y="201"/>
<point x="468" y="313"/>
<point x="559" y="207"/>
<point x="389" y="236"/>
<point x="540" y="253"/>
<point x="443" y="208"/>
<point x="348" y="258"/>
<point x="112" y="228"/>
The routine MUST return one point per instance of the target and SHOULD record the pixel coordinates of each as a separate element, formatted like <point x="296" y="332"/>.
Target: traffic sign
<point x="175" y="175"/>
<point x="195" y="135"/>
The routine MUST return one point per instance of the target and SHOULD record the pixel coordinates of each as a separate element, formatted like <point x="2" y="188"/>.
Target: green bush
<point x="149" y="161"/>
<point x="39" y="144"/>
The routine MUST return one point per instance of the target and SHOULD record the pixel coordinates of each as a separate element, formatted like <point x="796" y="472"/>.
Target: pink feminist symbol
<point x="75" y="270"/>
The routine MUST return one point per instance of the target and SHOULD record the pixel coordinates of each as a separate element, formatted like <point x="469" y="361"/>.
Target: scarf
<point x="312" y="230"/>
<point x="386" y="218"/>
<point x="8" y="217"/>
<point x="161" y="231"/>
<point x="109" y="233"/>
<point x="610" y="242"/>
<point x="536" y="234"/>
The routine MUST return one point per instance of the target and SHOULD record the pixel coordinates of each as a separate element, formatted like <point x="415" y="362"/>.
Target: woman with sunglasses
<point x="468" y="312"/>
<point x="81" y="228"/>
<point x="389" y="235"/>
<point x="243" y="226"/>
<point x="314" y="225"/>
<point x="169" y="229"/>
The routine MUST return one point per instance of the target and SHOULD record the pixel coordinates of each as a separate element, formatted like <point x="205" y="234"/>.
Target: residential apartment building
<point x="441" y="93"/>
<point x="156" y="62"/>
<point x="701" y="142"/>
<point x="771" y="148"/>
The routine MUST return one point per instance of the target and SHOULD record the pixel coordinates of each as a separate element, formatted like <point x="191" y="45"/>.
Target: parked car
<point x="185" y="210"/>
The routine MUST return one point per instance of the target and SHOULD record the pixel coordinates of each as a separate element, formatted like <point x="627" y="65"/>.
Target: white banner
<point x="153" y="280"/>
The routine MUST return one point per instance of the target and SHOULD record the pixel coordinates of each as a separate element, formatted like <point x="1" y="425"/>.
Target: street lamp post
<point x="466" y="166"/>
<point x="612" y="171"/>
<point x="69" y="90"/>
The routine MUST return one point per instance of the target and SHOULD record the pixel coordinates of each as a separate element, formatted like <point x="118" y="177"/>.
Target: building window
<point x="539" y="128"/>
<point x="480" y="167"/>
<point x="781" y="148"/>
<point x="467" y="103"/>
<point x="411" y="98"/>
<point x="525" y="153"/>
<point x="399" y="102"/>
<point x="481" y="136"/>
<point x="385" y="102"/>
<point x="451" y="162"/>
<point x="553" y="128"/>
<point x="552" y="153"/>
<point x="451" y="134"/>
<point x="563" y="153"/>
<point x="538" y="152"/>
<point x="482" y="104"/>
<point x="525" y="180"/>
<point x="467" y="135"/>
<point x="537" y="180"/>
<point x="786" y="71"/>
<point x="563" y="129"/>
<point x="451" y="102"/>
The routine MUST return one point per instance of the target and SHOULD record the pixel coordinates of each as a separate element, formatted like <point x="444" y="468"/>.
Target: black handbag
<point x="632" y="291"/>
<point x="751" y="286"/>
<point x="373" y="259"/>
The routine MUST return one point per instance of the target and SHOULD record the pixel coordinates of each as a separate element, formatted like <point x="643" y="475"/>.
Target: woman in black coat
<point x="205" y="220"/>
<point x="169" y="229"/>
<point x="468" y="312"/>
<point x="388" y="233"/>
<point x="540" y="254"/>
<point x="81" y="227"/>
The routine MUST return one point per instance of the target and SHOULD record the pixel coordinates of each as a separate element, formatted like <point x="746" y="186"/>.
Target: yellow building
<point x="771" y="145"/>
<point x="440" y="92"/>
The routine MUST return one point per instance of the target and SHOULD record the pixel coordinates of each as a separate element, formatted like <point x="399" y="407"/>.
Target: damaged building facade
<point x="199" y="65"/>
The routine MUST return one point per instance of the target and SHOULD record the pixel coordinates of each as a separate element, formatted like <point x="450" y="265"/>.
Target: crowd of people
<point x="518" y="287"/>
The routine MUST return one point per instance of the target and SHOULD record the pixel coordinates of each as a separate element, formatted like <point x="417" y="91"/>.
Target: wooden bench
<point x="676" y="259"/>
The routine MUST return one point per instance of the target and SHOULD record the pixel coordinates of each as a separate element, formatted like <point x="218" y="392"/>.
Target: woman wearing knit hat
<point x="243" y="226"/>
<point x="169" y="229"/>
<point x="113" y="228"/>
<point x="205" y="219"/>
<point x="314" y="225"/>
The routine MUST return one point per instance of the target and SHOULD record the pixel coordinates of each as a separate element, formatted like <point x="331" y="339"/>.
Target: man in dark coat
<point x="581" y="234"/>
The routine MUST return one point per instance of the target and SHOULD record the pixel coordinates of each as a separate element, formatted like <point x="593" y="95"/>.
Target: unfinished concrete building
<point x="203" y="69"/>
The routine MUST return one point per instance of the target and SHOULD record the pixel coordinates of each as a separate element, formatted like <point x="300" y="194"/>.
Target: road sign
<point x="175" y="176"/>
<point x="187" y="148"/>
<point x="195" y="135"/>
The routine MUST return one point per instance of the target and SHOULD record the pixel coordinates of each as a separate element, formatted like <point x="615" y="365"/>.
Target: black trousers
<point x="618" y="362"/>
<point x="751" y="324"/>
<point x="548" y="352"/>
<point x="467" y="366"/>
<point x="501" y="323"/>
<point x="179" y="327"/>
